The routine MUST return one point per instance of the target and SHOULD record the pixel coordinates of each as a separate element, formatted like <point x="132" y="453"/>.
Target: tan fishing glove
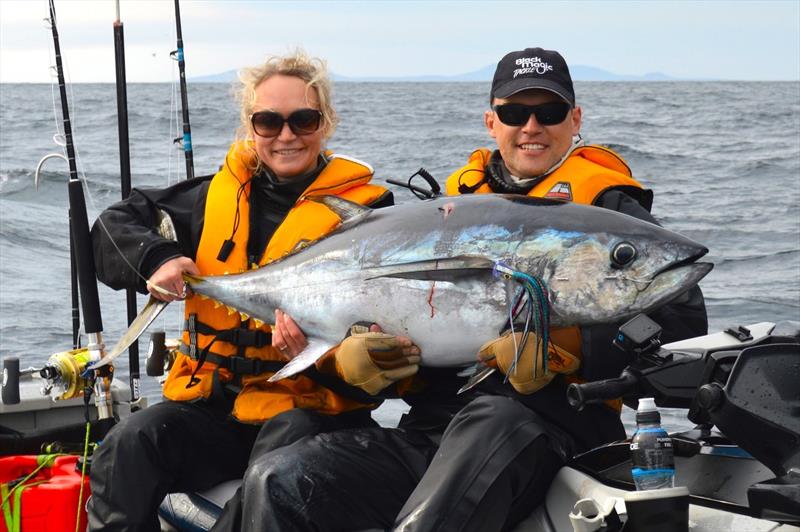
<point x="500" y="353"/>
<point x="372" y="360"/>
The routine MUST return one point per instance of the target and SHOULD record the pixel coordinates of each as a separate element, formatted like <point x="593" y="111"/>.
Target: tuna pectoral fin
<point x="149" y="313"/>
<point x="448" y="269"/>
<point x="313" y="352"/>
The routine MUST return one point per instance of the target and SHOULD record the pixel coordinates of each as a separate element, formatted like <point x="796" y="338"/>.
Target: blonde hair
<point x="312" y="70"/>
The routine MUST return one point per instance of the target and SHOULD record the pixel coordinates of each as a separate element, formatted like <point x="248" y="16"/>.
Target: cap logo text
<point x="531" y="65"/>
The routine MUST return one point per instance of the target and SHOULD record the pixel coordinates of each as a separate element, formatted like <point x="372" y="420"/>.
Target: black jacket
<point x="124" y="235"/>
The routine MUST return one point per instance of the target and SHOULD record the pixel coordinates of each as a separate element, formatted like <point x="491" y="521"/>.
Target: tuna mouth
<point x="689" y="262"/>
<point x="673" y="280"/>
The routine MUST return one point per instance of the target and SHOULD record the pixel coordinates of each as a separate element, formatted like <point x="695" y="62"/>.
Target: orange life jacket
<point x="584" y="176"/>
<point x="587" y="173"/>
<point x="306" y="222"/>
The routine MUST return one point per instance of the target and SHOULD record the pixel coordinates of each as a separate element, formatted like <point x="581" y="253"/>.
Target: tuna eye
<point x="622" y="254"/>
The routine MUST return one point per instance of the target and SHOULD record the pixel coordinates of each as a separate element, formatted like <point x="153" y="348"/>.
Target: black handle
<point x="155" y="354"/>
<point x="84" y="255"/>
<point x="11" y="381"/>
<point x="578" y="395"/>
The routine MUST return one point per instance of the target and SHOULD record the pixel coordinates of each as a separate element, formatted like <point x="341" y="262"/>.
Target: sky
<point x="738" y="40"/>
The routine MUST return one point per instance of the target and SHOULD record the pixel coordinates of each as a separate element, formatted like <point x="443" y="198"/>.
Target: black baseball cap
<point x="532" y="68"/>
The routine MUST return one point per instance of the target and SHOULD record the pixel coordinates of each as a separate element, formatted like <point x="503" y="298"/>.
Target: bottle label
<point x="652" y="450"/>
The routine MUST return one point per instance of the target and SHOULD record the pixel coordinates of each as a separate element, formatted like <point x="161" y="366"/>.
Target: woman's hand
<point x="287" y="337"/>
<point x="374" y="360"/>
<point x="167" y="283"/>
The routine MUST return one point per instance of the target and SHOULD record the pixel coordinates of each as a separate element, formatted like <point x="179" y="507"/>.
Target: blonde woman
<point x="251" y="212"/>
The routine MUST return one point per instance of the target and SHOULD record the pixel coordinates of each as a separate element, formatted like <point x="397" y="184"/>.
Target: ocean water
<point x="722" y="157"/>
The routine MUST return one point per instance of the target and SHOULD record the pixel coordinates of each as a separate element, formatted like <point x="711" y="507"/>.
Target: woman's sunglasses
<point x="301" y="122"/>
<point x="547" y="114"/>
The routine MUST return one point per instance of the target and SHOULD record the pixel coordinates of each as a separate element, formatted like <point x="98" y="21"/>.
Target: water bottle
<point x="651" y="450"/>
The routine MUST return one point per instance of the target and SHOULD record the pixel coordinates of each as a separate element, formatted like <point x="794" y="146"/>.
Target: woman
<point x="251" y="212"/>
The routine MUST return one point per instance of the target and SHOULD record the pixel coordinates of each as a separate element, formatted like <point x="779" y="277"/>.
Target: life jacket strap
<point x="239" y="336"/>
<point x="238" y="365"/>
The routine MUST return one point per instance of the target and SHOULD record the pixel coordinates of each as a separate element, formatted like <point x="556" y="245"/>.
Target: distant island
<point x="579" y="73"/>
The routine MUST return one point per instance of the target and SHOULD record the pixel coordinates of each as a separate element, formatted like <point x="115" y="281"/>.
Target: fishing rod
<point x="84" y="258"/>
<point x="125" y="183"/>
<point x="187" y="130"/>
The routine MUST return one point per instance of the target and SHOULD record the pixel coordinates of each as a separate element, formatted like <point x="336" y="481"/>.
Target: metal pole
<point x="125" y="183"/>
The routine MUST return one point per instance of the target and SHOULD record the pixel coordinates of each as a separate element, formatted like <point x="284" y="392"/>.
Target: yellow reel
<point x="63" y="370"/>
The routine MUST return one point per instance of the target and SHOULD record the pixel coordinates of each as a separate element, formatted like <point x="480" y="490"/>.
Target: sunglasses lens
<point x="547" y="114"/>
<point x="267" y="123"/>
<point x="305" y="121"/>
<point x="513" y="114"/>
<point x="550" y="114"/>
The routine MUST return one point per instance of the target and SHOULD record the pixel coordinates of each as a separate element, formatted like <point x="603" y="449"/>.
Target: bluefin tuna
<point x="425" y="270"/>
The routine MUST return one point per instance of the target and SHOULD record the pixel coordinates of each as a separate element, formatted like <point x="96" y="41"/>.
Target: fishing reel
<point x="64" y="376"/>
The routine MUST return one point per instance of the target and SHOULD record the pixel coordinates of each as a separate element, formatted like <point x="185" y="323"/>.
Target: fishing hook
<point x="39" y="166"/>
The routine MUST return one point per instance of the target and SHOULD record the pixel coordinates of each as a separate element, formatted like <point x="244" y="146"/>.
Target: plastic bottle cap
<point x="647" y="404"/>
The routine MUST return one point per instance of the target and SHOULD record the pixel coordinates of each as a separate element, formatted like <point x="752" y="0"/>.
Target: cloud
<point x="743" y="40"/>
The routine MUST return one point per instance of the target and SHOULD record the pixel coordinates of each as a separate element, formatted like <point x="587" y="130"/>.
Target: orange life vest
<point x="587" y="173"/>
<point x="584" y="176"/>
<point x="307" y="221"/>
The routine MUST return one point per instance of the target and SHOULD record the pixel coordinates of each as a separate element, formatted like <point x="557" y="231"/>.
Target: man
<point x="481" y="460"/>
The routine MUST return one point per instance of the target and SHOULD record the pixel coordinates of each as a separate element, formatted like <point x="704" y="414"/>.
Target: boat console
<point x="748" y="388"/>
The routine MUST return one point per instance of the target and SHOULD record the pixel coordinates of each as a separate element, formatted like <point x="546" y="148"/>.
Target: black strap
<point x="237" y="365"/>
<point x="338" y="386"/>
<point x="239" y="336"/>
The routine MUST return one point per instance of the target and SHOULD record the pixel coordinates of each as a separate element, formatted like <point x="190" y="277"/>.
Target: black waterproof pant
<point x="493" y="465"/>
<point x="184" y="447"/>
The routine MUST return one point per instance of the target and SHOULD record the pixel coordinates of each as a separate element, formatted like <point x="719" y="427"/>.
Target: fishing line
<point x="81" y="174"/>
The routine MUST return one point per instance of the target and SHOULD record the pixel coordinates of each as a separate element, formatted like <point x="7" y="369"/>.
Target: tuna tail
<point x="152" y="308"/>
<point x="142" y="321"/>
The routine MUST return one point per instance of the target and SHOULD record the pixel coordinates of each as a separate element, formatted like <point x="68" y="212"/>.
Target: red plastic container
<point x="50" y="506"/>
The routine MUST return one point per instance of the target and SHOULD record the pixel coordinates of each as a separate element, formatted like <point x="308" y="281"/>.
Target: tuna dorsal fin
<point x="349" y="212"/>
<point x="447" y="269"/>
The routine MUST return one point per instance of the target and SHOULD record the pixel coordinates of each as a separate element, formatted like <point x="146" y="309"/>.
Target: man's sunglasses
<point x="301" y="122"/>
<point x="547" y="114"/>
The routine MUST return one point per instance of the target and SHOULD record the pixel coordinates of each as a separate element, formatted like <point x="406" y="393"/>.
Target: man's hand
<point x="374" y="360"/>
<point x="501" y="351"/>
<point x="287" y="337"/>
<point x="167" y="283"/>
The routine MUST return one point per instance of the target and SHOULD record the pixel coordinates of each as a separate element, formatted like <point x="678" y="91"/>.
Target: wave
<point x="659" y="155"/>
<point x="782" y="254"/>
<point x="781" y="306"/>
<point x="20" y="181"/>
